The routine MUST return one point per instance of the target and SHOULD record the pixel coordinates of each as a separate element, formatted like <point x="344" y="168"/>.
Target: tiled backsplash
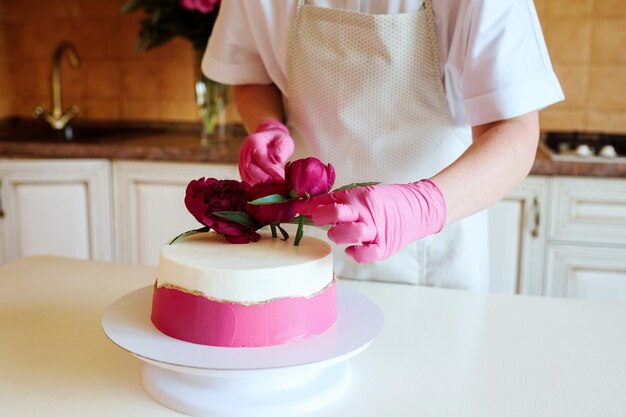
<point x="587" y="43"/>
<point x="112" y="83"/>
<point x="6" y="94"/>
<point x="585" y="38"/>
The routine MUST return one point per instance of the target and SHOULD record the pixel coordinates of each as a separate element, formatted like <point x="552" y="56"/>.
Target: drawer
<point x="588" y="210"/>
<point x="589" y="272"/>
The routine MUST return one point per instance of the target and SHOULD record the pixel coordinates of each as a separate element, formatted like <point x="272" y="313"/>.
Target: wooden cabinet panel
<point x="52" y="219"/>
<point x="55" y="207"/>
<point x="557" y="236"/>
<point x="517" y="238"/>
<point x="588" y="210"/>
<point x="587" y="247"/>
<point x="161" y="216"/>
<point x="586" y="272"/>
<point x="505" y="245"/>
<point x="149" y="204"/>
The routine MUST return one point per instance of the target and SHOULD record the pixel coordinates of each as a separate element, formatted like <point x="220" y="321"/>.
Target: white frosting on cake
<point x="246" y="273"/>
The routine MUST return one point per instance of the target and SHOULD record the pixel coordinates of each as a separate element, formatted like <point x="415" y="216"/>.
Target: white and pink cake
<point x="270" y="292"/>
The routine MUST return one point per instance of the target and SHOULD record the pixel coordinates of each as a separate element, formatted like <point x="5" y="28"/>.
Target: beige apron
<point x="365" y="94"/>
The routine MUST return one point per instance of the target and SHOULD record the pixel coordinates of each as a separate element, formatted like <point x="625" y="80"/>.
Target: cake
<point x="269" y="292"/>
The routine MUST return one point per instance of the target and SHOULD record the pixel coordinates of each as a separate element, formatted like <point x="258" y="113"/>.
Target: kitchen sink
<point x="26" y="130"/>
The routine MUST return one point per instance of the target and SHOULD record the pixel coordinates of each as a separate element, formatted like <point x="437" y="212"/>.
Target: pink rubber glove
<point x="264" y="152"/>
<point x="379" y="219"/>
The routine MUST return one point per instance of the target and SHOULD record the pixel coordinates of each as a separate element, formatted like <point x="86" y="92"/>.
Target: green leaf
<point x="139" y="47"/>
<point x="356" y="184"/>
<point x="269" y="199"/>
<point x="306" y="221"/>
<point x="283" y="232"/>
<point x="239" y="217"/>
<point x="155" y="17"/>
<point x="130" y="7"/>
<point x="273" y="229"/>
<point x="189" y="233"/>
<point x="300" y="231"/>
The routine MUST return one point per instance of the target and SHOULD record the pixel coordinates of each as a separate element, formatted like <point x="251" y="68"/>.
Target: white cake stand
<point x="286" y="380"/>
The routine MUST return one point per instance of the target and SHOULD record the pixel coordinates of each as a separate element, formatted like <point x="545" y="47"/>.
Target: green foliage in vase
<point x="164" y="20"/>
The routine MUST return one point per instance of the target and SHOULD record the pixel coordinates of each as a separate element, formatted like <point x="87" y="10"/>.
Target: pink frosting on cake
<point x="198" y="319"/>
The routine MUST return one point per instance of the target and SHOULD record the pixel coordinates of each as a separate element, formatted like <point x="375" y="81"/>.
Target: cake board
<point x="207" y="381"/>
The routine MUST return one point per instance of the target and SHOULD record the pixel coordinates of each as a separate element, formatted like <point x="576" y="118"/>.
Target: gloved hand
<point x="264" y="152"/>
<point x="383" y="218"/>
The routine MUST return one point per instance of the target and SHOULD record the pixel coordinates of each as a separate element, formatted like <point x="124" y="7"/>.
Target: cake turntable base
<point x="206" y="381"/>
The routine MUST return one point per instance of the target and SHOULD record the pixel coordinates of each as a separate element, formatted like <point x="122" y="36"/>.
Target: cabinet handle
<point x="536" y="218"/>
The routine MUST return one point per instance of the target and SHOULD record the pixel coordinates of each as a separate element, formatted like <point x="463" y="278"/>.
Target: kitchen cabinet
<point x="55" y="207"/>
<point x="149" y="204"/>
<point x="552" y="235"/>
<point x="587" y="239"/>
<point x="517" y="238"/>
<point x="579" y="271"/>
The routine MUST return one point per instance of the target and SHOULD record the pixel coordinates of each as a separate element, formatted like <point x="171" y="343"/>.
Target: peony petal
<point x="188" y="4"/>
<point x="331" y="177"/>
<point x="237" y="239"/>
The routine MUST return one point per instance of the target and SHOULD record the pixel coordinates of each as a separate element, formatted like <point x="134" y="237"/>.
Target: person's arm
<point x="257" y="103"/>
<point x="499" y="158"/>
<point x="379" y="220"/>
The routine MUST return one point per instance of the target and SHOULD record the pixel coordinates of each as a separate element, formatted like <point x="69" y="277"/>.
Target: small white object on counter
<point x="608" y="151"/>
<point x="584" y="150"/>
<point x="440" y="353"/>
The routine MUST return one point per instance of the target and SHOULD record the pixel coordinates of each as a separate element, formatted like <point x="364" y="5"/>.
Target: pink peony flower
<point x="203" y="6"/>
<point x="205" y="196"/>
<point x="309" y="177"/>
<point x="274" y="212"/>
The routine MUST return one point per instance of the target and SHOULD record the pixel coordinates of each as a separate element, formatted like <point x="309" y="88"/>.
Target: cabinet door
<point x="589" y="210"/>
<point x="517" y="237"/>
<point x="587" y="251"/>
<point x="586" y="272"/>
<point x="55" y="207"/>
<point x="149" y="204"/>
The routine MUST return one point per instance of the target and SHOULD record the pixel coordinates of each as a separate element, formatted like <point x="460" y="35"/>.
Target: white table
<point x="440" y="353"/>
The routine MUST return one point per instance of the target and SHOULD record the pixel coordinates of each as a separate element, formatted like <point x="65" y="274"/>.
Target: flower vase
<point x="212" y="98"/>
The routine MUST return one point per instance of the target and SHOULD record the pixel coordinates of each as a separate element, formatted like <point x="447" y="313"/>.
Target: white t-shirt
<point x="494" y="61"/>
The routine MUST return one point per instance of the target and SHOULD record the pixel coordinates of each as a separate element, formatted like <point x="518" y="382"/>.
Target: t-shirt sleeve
<point x="505" y="68"/>
<point x="232" y="56"/>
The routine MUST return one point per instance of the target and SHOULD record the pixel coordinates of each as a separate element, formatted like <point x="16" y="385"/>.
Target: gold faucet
<point x="57" y="119"/>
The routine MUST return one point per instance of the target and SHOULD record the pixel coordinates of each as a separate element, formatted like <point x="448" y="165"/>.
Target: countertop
<point x="174" y="143"/>
<point x="441" y="352"/>
<point x="184" y="145"/>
